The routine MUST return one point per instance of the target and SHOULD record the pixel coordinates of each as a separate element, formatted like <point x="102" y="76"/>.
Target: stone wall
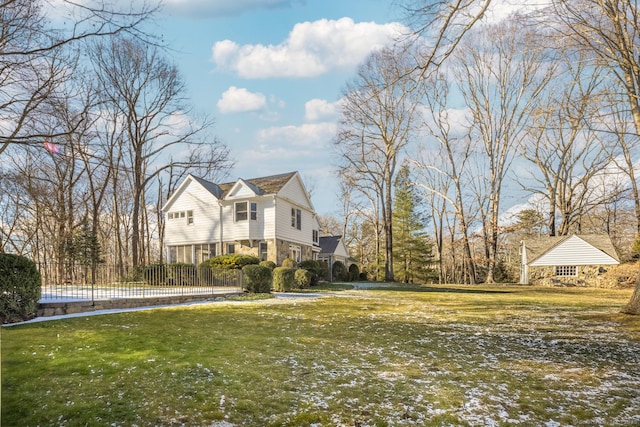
<point x="592" y="276"/>
<point x="71" y="307"/>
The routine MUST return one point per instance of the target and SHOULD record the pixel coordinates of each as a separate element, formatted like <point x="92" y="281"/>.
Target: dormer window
<point x="241" y="211"/>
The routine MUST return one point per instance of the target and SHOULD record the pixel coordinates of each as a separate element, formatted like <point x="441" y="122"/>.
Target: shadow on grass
<point x="413" y="288"/>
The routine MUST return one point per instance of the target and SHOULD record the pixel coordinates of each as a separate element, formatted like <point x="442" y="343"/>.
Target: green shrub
<point x="133" y="275"/>
<point x="302" y="278"/>
<point x="354" y="273"/>
<point x="318" y="270"/>
<point x="155" y="274"/>
<point x="257" y="278"/>
<point x="20" y="288"/>
<point x="288" y="263"/>
<point x="233" y="261"/>
<point x="283" y="279"/>
<point x="339" y="271"/>
<point x="209" y="276"/>
<point x="269" y="264"/>
<point x="182" y="274"/>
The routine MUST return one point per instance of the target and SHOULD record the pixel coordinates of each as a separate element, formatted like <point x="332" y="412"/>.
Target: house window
<point x="295" y="253"/>
<point x="182" y="254"/>
<point x="231" y="248"/>
<point x="241" y="211"/>
<point x="204" y="252"/>
<point x="181" y="214"/>
<point x="296" y="218"/>
<point x="254" y="211"/>
<point x="315" y="236"/>
<point x="566" y="271"/>
<point x="263" y="251"/>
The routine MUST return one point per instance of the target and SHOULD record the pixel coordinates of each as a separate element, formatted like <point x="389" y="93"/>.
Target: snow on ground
<point x="524" y="347"/>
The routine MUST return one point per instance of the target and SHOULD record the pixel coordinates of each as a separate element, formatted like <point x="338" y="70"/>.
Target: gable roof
<point x="586" y="249"/>
<point x="209" y="186"/>
<point x="271" y="184"/>
<point x="328" y="244"/>
<point x="260" y="186"/>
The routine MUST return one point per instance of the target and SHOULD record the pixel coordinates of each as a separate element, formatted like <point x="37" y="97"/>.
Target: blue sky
<point x="270" y="73"/>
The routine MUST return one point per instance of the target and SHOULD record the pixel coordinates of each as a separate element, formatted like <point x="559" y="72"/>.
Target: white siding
<point x="269" y="217"/>
<point x="250" y="229"/>
<point x="341" y="250"/>
<point x="293" y="195"/>
<point x="574" y="251"/>
<point x="294" y="192"/>
<point x="205" y="227"/>
<point x="213" y="223"/>
<point x="285" y="231"/>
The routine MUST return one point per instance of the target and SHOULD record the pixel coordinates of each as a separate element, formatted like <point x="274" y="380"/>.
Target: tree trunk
<point x="633" y="306"/>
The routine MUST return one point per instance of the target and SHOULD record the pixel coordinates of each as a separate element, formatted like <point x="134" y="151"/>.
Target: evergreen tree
<point x="84" y="248"/>
<point x="412" y="248"/>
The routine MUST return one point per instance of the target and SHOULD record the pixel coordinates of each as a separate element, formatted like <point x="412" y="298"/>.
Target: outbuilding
<point x="576" y="260"/>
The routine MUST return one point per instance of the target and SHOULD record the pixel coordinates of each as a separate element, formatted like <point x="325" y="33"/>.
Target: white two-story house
<point x="270" y="217"/>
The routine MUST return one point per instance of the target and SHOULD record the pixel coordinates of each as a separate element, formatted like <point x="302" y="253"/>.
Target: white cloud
<point x="458" y="120"/>
<point x="312" y="49"/>
<point x="211" y="8"/>
<point x="320" y="109"/>
<point x="312" y="135"/>
<point x="499" y="10"/>
<point x="240" y="100"/>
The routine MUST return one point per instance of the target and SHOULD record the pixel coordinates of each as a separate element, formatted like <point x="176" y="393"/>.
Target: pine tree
<point x="412" y="248"/>
<point x="84" y="248"/>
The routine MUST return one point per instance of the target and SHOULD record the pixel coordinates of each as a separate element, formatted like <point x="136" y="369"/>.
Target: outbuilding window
<point x="566" y="271"/>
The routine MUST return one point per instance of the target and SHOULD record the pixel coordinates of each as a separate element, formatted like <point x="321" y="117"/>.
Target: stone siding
<point x="591" y="276"/>
<point x="47" y="309"/>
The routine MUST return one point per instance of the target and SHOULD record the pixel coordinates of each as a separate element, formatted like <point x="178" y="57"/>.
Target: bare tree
<point x="32" y="55"/>
<point x="443" y="24"/>
<point x="146" y="94"/>
<point x="375" y="127"/>
<point x="624" y="143"/>
<point x="500" y="77"/>
<point x="609" y="31"/>
<point x="568" y="154"/>
<point x="448" y="162"/>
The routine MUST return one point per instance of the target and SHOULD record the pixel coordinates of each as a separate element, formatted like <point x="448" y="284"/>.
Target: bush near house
<point x="283" y="279"/>
<point x="302" y="278"/>
<point x="182" y="274"/>
<point x="257" y="278"/>
<point x="233" y="261"/>
<point x="269" y="264"/>
<point x="340" y="271"/>
<point x="20" y="288"/>
<point x="288" y="263"/>
<point x="317" y="269"/>
<point x="155" y="274"/>
<point x="354" y="273"/>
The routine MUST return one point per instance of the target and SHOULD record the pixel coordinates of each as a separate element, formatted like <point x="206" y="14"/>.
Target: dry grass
<point x="415" y="356"/>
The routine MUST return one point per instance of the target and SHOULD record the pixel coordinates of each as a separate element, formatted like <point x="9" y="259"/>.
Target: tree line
<point x="96" y="133"/>
<point x="543" y="104"/>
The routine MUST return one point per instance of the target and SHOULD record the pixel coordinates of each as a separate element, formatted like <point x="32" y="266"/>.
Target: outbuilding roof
<point x="541" y="247"/>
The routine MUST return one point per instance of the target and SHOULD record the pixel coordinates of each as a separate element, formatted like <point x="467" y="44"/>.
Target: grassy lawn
<point x="429" y="356"/>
